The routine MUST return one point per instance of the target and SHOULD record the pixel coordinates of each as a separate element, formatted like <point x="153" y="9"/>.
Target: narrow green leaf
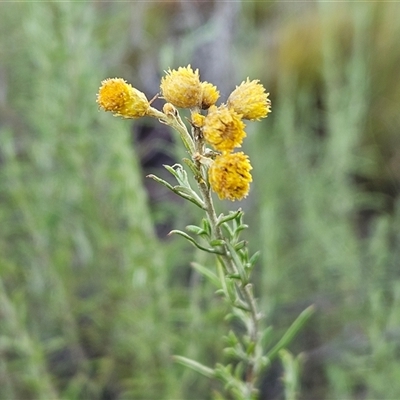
<point x="227" y="287"/>
<point x="232" y="353"/>
<point x="217" y="242"/>
<point x="266" y="336"/>
<point x="242" y="227"/>
<point x="239" y="370"/>
<point x="241" y="305"/>
<point x="206" y="226"/>
<point x="291" y="332"/>
<point x="195" y="243"/>
<point x="228" y="232"/>
<point x="191" y="199"/>
<point x="162" y="181"/>
<point x="238" y="263"/>
<point x="254" y="258"/>
<point x="231" y="339"/>
<point x="238" y="246"/>
<point x="196" y="229"/>
<point x="195" y="366"/>
<point x="233" y="276"/>
<point x="173" y="171"/>
<point x="239" y="218"/>
<point x="291" y="366"/>
<point x="223" y="372"/>
<point x="188" y="191"/>
<point x="181" y="175"/>
<point x="187" y="194"/>
<point x="192" y="166"/>
<point x="250" y="348"/>
<point x="225" y="218"/>
<point x="207" y="273"/>
<point x="231" y="291"/>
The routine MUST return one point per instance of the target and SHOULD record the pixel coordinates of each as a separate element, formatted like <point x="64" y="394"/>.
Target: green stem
<point x="243" y="289"/>
<point x="175" y="122"/>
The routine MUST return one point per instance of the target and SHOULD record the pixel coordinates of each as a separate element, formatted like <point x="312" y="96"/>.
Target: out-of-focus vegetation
<point x="93" y="302"/>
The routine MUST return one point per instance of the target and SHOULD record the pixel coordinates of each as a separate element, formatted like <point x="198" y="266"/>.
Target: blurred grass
<point x="81" y="266"/>
<point x="93" y="304"/>
<point x="328" y="213"/>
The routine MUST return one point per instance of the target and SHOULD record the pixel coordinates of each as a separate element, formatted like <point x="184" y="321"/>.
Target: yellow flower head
<point x="229" y="176"/>
<point x="198" y="119"/>
<point x="209" y="95"/>
<point x="182" y="87"/>
<point x="122" y="99"/>
<point x="223" y="128"/>
<point x="250" y="100"/>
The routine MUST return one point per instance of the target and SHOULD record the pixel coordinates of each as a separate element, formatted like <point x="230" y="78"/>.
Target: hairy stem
<point x="243" y="289"/>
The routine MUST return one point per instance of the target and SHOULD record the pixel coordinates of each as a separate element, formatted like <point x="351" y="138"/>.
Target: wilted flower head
<point x="120" y="98"/>
<point x="250" y="100"/>
<point x="182" y="87"/>
<point x="209" y="95"/>
<point x="229" y="176"/>
<point x="223" y="128"/>
<point x="169" y="109"/>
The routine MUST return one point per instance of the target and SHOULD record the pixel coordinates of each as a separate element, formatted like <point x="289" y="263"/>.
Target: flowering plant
<point x="215" y="132"/>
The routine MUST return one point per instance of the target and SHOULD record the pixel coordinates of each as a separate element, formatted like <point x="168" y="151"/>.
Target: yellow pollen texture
<point x="182" y="87"/>
<point x="250" y="100"/>
<point x="209" y="95"/>
<point x="223" y="129"/>
<point x="230" y="177"/>
<point x="120" y="98"/>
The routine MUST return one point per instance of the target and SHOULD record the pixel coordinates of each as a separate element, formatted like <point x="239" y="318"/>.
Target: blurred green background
<point x="95" y="298"/>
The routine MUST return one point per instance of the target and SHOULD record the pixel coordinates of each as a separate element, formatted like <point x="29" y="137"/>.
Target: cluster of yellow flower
<point x="222" y="127"/>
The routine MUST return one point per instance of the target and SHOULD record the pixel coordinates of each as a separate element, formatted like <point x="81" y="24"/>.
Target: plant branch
<point x="232" y="267"/>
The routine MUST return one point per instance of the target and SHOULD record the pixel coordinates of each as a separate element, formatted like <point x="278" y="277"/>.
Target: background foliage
<point x="95" y="298"/>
